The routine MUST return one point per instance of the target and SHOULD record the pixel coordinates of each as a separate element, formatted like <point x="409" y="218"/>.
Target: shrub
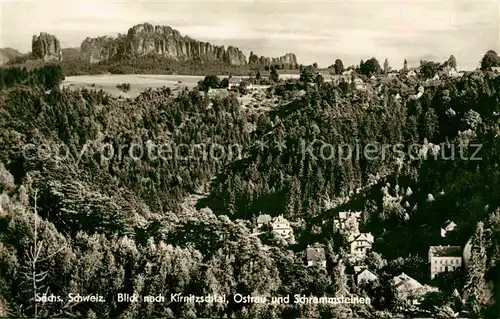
<point x="125" y="87"/>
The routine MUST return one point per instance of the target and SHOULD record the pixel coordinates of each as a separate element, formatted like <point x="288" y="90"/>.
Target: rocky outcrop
<point x="146" y="39"/>
<point x="103" y="48"/>
<point x="287" y="61"/>
<point x="45" y="46"/>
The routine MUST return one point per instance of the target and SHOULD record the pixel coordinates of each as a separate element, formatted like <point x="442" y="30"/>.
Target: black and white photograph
<point x="250" y="159"/>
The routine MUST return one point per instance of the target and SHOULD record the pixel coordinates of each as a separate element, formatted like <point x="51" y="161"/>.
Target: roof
<point x="316" y="253"/>
<point x="280" y="219"/>
<point x="345" y="215"/>
<point x="366" y="270"/>
<point x="405" y="280"/>
<point x="262" y="219"/>
<point x="445" y="251"/>
<point x="362" y="236"/>
<point x="495" y="68"/>
<point x="234" y="80"/>
<point x="448" y="223"/>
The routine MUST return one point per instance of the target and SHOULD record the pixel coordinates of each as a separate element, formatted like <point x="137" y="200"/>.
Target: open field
<point x="138" y="82"/>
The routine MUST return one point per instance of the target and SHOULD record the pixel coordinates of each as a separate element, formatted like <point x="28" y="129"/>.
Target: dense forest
<point x="82" y="212"/>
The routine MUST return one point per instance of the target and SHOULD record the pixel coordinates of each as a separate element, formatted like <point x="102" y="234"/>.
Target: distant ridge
<point x="164" y="41"/>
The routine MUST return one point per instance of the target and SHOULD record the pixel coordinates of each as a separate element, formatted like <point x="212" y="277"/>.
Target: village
<point x="442" y="259"/>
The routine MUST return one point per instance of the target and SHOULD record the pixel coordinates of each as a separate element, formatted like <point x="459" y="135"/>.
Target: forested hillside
<point x="85" y="208"/>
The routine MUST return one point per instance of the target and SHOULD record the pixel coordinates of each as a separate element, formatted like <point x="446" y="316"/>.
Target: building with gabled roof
<point x="360" y="244"/>
<point x="444" y="258"/>
<point x="233" y="83"/>
<point x="316" y="256"/>
<point x="448" y="226"/>
<point x="363" y="275"/>
<point x="407" y="288"/>
<point x="281" y="227"/>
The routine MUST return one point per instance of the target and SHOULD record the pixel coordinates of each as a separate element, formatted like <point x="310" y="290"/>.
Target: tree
<point x="428" y="69"/>
<point x="386" y="66"/>
<point x="315" y="65"/>
<point x="258" y="76"/>
<point x="210" y="81"/>
<point x="431" y="124"/>
<point x="370" y="67"/>
<point x="308" y="74"/>
<point x="274" y="76"/>
<point x="319" y="80"/>
<point x="475" y="284"/>
<point x="224" y="83"/>
<point x="490" y="59"/>
<point x="338" y="67"/>
<point x="405" y="65"/>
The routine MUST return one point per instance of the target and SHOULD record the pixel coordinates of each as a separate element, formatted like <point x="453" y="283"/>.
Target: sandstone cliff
<point x="45" y="46"/>
<point x="146" y="39"/>
<point x="102" y="48"/>
<point x="287" y="61"/>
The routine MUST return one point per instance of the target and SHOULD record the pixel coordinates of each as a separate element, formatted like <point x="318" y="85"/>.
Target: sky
<point x="316" y="31"/>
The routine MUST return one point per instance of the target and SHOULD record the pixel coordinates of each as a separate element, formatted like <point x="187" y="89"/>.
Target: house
<point x="397" y="97"/>
<point x="345" y="220"/>
<point x="444" y="258"/>
<point x="360" y="244"/>
<point x="347" y="72"/>
<point x="281" y="227"/>
<point x="263" y="220"/>
<point x="393" y="74"/>
<point x="373" y="77"/>
<point x="363" y="275"/>
<point x="407" y="288"/>
<point x="448" y="226"/>
<point x="495" y="69"/>
<point x="233" y="83"/>
<point x="411" y="74"/>
<point x="316" y="256"/>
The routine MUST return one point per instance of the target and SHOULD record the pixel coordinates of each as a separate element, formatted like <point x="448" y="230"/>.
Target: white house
<point x="444" y="258"/>
<point x="411" y="74"/>
<point x="410" y="290"/>
<point x="316" y="256"/>
<point x="360" y="244"/>
<point x="495" y="69"/>
<point x="281" y="227"/>
<point x="448" y="226"/>
<point x="363" y="275"/>
<point x="233" y="83"/>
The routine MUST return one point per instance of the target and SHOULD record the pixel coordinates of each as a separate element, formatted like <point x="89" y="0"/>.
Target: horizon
<point x="317" y="32"/>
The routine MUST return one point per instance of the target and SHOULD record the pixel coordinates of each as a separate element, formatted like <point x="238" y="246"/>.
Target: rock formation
<point x="287" y="61"/>
<point x="45" y="46"/>
<point x="146" y="39"/>
<point x="99" y="49"/>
